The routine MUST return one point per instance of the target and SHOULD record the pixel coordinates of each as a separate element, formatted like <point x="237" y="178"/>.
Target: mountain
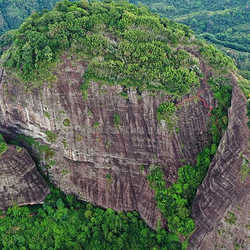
<point x="224" y="23"/>
<point x="129" y="111"/>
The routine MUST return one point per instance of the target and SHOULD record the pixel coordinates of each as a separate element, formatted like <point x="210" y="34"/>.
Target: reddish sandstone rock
<point x="221" y="207"/>
<point x="96" y="160"/>
<point x="20" y="182"/>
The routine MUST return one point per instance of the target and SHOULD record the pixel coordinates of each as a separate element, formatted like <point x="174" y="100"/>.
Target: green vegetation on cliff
<point x="125" y="45"/>
<point x="3" y="145"/>
<point x="175" y="202"/>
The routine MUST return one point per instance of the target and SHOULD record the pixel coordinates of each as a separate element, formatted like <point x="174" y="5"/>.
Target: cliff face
<point x="97" y="159"/>
<point x="221" y="207"/>
<point x="20" y="182"/>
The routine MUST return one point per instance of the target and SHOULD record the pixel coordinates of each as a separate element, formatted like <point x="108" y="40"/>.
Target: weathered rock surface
<point x="96" y="160"/>
<point x="221" y="209"/>
<point x="20" y="182"/>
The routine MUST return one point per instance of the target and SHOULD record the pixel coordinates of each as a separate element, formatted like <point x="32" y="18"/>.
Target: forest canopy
<point x="13" y="12"/>
<point x="224" y="23"/>
<point x="122" y="43"/>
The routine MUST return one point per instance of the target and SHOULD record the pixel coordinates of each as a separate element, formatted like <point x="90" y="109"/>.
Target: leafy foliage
<point x="51" y="136"/>
<point x="123" y="44"/>
<point x="62" y="222"/>
<point x="231" y="218"/>
<point x="117" y="120"/>
<point x="66" y="122"/>
<point x="165" y="109"/>
<point x="225" y="23"/>
<point x="13" y="12"/>
<point x="216" y="58"/>
<point x="244" y="84"/>
<point x="3" y="145"/>
<point x="42" y="150"/>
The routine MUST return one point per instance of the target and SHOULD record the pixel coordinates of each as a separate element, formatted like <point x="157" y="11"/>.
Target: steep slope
<point x="20" y="182"/>
<point x="101" y="163"/>
<point x="104" y="93"/>
<point x="105" y="132"/>
<point x="221" y="206"/>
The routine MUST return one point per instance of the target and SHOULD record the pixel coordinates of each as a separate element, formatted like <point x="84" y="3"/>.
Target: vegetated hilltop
<point x="224" y="23"/>
<point x="125" y="110"/>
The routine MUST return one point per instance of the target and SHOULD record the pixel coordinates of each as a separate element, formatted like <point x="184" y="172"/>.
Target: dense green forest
<point x="13" y="12"/>
<point x="141" y="58"/>
<point x="62" y="222"/>
<point x="225" y="23"/>
<point x="123" y="44"/>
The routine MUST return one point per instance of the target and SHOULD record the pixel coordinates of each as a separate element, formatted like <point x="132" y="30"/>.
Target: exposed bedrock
<point x="221" y="209"/>
<point x="96" y="159"/>
<point x="20" y="182"/>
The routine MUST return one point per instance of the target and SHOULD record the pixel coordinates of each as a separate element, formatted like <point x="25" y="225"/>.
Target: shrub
<point x="51" y="136"/>
<point x="66" y="123"/>
<point x="3" y="145"/>
<point x="165" y="109"/>
<point x="117" y="120"/>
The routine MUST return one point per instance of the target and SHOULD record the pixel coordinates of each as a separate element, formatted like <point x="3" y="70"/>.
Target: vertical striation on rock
<point x="95" y="159"/>
<point x="20" y="182"/>
<point x="221" y="206"/>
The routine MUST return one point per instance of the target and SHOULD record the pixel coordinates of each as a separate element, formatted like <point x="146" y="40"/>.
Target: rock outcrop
<point x="97" y="159"/>
<point x="20" y="182"/>
<point x="222" y="204"/>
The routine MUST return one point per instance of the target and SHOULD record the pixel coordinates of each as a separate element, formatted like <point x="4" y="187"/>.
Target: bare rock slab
<point x="20" y="182"/>
<point x="221" y="207"/>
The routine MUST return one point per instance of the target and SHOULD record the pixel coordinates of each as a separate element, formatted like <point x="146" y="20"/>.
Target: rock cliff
<point x="20" y="182"/>
<point x="97" y="139"/>
<point x="96" y="159"/>
<point x="221" y="207"/>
